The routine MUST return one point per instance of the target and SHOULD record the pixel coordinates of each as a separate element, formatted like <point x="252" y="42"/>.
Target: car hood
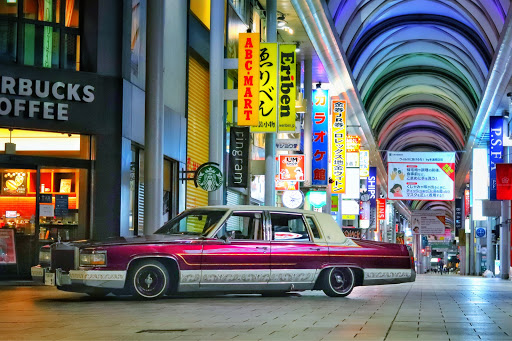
<point x="150" y="239"/>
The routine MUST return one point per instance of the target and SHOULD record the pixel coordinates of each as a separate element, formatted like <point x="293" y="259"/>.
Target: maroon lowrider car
<point x="228" y="249"/>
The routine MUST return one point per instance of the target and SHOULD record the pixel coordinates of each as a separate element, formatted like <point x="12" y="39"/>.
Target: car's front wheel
<point x="338" y="282"/>
<point x="149" y="279"/>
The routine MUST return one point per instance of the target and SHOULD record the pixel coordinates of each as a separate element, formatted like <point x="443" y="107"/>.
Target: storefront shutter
<point x="198" y="128"/>
<point x="234" y="198"/>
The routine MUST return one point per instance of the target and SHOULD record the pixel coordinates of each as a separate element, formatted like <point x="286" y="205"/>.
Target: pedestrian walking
<point x="441" y="266"/>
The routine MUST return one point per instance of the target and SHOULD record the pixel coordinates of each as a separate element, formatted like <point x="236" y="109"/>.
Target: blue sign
<point x="480" y="232"/>
<point x="371" y="187"/>
<point x="495" y="152"/>
<point x="320" y="136"/>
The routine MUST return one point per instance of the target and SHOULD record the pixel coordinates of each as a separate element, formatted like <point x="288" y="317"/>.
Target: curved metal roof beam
<point x="379" y="68"/>
<point x="366" y="14"/>
<point x="412" y="72"/>
<point x="437" y="141"/>
<point x="425" y="20"/>
<point x="425" y="92"/>
<point x="421" y="105"/>
<point x="411" y="33"/>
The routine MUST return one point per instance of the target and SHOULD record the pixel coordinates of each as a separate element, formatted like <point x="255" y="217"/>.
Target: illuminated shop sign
<point x="320" y="131"/>
<point x="421" y="176"/>
<point x="287" y="87"/>
<point x="495" y="152"/>
<point x="268" y="89"/>
<point x="467" y="203"/>
<point x="248" y="78"/>
<point x="291" y="167"/>
<point x="36" y="98"/>
<point x="338" y="143"/>
<point x="353" y="143"/>
<point x="364" y="163"/>
<point x="238" y="171"/>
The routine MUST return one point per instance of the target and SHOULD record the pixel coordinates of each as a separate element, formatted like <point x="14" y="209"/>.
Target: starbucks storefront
<point x="60" y="157"/>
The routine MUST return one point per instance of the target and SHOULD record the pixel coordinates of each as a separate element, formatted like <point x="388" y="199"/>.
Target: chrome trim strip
<point x="98" y="278"/>
<point x="384" y="276"/>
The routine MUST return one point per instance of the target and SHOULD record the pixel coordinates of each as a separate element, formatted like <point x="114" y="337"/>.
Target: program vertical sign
<point x="338" y="143"/>
<point x="320" y="130"/>
<point x="268" y="89"/>
<point x="238" y="157"/>
<point x="248" y="79"/>
<point x="287" y="87"/>
<point x="495" y="151"/>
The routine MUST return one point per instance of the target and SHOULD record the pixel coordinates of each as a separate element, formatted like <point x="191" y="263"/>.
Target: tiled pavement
<point x="435" y="307"/>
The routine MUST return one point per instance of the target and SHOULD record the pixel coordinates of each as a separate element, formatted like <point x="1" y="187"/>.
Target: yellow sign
<point x="248" y="78"/>
<point x="268" y="89"/>
<point x="338" y="143"/>
<point x="348" y="217"/>
<point x="287" y="87"/>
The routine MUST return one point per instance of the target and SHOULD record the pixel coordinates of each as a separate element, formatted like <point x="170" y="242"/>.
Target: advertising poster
<point x="7" y="247"/>
<point x="338" y="139"/>
<point x="504" y="181"/>
<point x="291" y="167"/>
<point x="428" y="222"/>
<point x="320" y="131"/>
<point x="268" y="89"/>
<point x="495" y="152"/>
<point x="248" y="79"/>
<point x="421" y="176"/>
<point x="352" y="160"/>
<point x="287" y="87"/>
<point x="364" y="163"/>
<point x="238" y="171"/>
<point x="283" y="185"/>
<point x="14" y="183"/>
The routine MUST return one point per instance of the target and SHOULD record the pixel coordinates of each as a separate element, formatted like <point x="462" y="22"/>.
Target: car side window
<point x="243" y="225"/>
<point x="289" y="227"/>
<point x="313" y="227"/>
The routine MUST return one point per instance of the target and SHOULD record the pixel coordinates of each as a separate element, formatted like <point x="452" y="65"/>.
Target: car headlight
<point x="44" y="256"/>
<point x="97" y="258"/>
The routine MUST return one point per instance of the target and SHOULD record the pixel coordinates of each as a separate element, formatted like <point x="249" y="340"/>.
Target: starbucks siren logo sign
<point x="209" y="178"/>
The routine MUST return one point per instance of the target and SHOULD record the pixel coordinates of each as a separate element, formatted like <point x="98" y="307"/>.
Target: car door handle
<point x="314" y="248"/>
<point x="264" y="248"/>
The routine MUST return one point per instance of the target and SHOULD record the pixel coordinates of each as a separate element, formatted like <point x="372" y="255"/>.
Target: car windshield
<point x="193" y="222"/>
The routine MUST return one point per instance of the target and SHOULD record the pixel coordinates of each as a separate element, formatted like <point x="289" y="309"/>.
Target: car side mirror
<point x="224" y="238"/>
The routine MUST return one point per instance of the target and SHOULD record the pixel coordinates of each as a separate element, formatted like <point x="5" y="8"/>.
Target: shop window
<point x="47" y="33"/>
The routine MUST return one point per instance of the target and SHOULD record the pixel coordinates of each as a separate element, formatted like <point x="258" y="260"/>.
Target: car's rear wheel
<point x="149" y="280"/>
<point x="338" y="282"/>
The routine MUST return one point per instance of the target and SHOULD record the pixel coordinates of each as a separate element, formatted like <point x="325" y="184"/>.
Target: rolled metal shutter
<point x="198" y="128"/>
<point x="234" y="198"/>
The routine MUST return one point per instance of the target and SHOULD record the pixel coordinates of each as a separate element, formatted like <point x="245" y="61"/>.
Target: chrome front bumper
<point x="79" y="278"/>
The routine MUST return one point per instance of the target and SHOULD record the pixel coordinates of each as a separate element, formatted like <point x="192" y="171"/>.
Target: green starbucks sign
<point x="209" y="177"/>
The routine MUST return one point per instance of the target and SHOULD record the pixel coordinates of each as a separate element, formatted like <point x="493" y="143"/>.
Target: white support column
<point x="154" y="120"/>
<point x="217" y="126"/>
<point x="270" y="138"/>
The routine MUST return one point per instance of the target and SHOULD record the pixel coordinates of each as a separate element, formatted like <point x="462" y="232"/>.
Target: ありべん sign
<point x="320" y="130"/>
<point x="291" y="167"/>
<point x="248" y="78"/>
<point x="287" y="89"/>
<point x="268" y="89"/>
<point x="338" y="139"/>
<point x="421" y="176"/>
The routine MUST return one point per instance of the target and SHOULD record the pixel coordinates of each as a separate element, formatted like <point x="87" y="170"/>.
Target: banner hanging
<point x="287" y="87"/>
<point x="495" y="152"/>
<point x="268" y="89"/>
<point x="238" y="157"/>
<point x="338" y="145"/>
<point x="428" y="222"/>
<point x="504" y="181"/>
<point x="248" y="78"/>
<point x="364" y="163"/>
<point x="421" y="176"/>
<point x="291" y="167"/>
<point x="320" y="131"/>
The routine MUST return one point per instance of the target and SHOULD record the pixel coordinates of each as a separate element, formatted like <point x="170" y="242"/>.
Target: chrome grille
<point x="64" y="257"/>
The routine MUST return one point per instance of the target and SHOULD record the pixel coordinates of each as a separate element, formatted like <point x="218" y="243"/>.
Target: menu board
<point x="61" y="205"/>
<point x="7" y="248"/>
<point x="14" y="183"/>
